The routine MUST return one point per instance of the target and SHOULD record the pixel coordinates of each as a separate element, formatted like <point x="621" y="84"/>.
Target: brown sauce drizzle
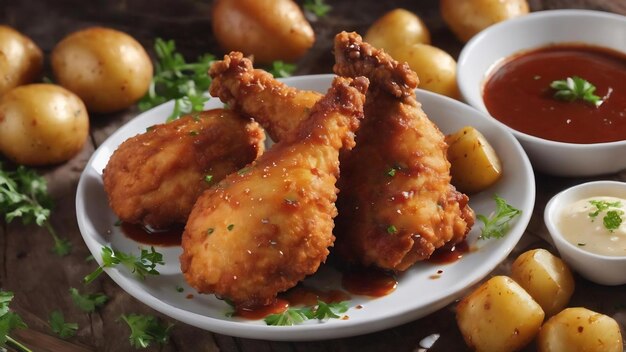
<point x="164" y="238"/>
<point x="369" y="282"/>
<point x="256" y="312"/>
<point x="449" y="255"/>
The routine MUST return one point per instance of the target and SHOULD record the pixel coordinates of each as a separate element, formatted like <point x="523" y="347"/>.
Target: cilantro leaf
<point x="575" y="88"/>
<point x="146" y="329"/>
<point x="318" y="7"/>
<point x="141" y="266"/>
<point x="60" y="327"/>
<point x="281" y="69"/>
<point x="8" y="320"/>
<point x="497" y="224"/>
<point x="88" y="302"/>
<point x="295" y="316"/>
<point x="325" y="310"/>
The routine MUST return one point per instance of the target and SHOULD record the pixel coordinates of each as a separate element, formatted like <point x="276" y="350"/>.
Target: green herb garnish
<point x="392" y="230"/>
<point x="391" y="172"/>
<point x="179" y="289"/>
<point x="318" y="7"/>
<point x="176" y="79"/>
<point x="60" y="327"/>
<point x="8" y="320"/>
<point x="602" y="205"/>
<point x="24" y="195"/>
<point x="497" y="224"/>
<point x="140" y="266"/>
<point x="612" y="219"/>
<point x="230" y="227"/>
<point x="146" y="329"/>
<point x="294" y="316"/>
<point x="88" y="302"/>
<point x="575" y="88"/>
<point x="281" y="69"/>
<point x="208" y="178"/>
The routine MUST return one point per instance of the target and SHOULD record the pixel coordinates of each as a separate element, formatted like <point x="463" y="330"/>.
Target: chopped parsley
<point x="140" y="266"/>
<point x="208" y="178"/>
<point x="497" y="224"/>
<point x="295" y="316"/>
<point x="391" y="172"/>
<point x="392" y="230"/>
<point x="60" y="327"/>
<point x="210" y="231"/>
<point x="230" y="227"/>
<point x="88" y="302"/>
<point x="613" y="219"/>
<point x="281" y="69"/>
<point x="318" y="7"/>
<point x="147" y="329"/>
<point x="8" y="320"/>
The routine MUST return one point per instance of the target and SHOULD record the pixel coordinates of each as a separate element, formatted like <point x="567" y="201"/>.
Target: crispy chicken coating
<point x="154" y="178"/>
<point x="262" y="230"/>
<point x="396" y="204"/>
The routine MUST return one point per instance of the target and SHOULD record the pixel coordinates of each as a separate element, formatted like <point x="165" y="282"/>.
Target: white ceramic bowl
<point x="536" y="30"/>
<point x="602" y="269"/>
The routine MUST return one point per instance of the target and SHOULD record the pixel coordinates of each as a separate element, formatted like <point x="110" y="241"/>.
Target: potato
<point x="107" y="69"/>
<point x="21" y="60"/>
<point x="435" y="68"/>
<point x="42" y="124"/>
<point x="474" y="163"/>
<point x="498" y="316"/>
<point x="545" y="277"/>
<point x="468" y="17"/>
<point x="580" y="329"/>
<point x="397" y="29"/>
<point x="268" y="29"/>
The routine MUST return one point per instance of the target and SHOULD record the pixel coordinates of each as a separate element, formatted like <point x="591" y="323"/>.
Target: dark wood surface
<point x="41" y="279"/>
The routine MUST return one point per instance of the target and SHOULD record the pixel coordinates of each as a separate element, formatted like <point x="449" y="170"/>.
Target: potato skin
<point x="468" y="17"/>
<point x="396" y="29"/>
<point x="580" y="330"/>
<point x="106" y="68"/>
<point x="21" y="60"/>
<point x="268" y="29"/>
<point x="42" y="124"/>
<point x="498" y="316"/>
<point x="474" y="163"/>
<point x="435" y="68"/>
<point x="545" y="277"/>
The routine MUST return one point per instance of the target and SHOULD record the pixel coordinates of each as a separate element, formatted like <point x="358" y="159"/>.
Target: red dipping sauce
<point x="518" y="94"/>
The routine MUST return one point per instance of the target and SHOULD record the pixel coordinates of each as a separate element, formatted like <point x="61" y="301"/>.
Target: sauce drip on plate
<point x="369" y="282"/>
<point x="164" y="238"/>
<point x="449" y="255"/>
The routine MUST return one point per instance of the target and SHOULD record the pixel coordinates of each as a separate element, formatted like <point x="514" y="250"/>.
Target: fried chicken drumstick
<point x="154" y="178"/>
<point x="396" y="204"/>
<point x="262" y="230"/>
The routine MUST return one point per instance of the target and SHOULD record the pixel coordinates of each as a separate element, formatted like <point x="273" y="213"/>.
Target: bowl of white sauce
<point x="587" y="223"/>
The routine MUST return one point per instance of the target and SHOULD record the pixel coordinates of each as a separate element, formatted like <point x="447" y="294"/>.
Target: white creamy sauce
<point x="580" y="227"/>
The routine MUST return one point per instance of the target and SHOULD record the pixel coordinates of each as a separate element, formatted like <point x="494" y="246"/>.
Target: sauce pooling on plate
<point x="518" y="93"/>
<point x="596" y="225"/>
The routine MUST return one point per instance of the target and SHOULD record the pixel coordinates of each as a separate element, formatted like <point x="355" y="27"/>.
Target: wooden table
<point x="41" y="279"/>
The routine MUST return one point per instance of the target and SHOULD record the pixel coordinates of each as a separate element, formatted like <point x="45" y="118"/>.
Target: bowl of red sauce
<point x="557" y="81"/>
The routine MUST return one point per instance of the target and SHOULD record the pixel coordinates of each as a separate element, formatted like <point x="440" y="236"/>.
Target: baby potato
<point x="468" y="17"/>
<point x="42" y="124"/>
<point x="498" y="316"/>
<point x="106" y="68"/>
<point x="474" y="164"/>
<point x="268" y="29"/>
<point x="580" y="329"/>
<point x="396" y="29"/>
<point x="21" y="60"/>
<point x="435" y="68"/>
<point x="545" y="277"/>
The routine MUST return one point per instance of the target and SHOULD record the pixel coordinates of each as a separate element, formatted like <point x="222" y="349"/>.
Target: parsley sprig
<point x="318" y="7"/>
<point x="576" y="88"/>
<point x="9" y="321"/>
<point x="146" y="329"/>
<point x="24" y="195"/>
<point x="497" y="224"/>
<point x="88" y="302"/>
<point x="141" y="266"/>
<point x="58" y="325"/>
<point x="613" y="218"/>
<point x="295" y="316"/>
<point x="174" y="78"/>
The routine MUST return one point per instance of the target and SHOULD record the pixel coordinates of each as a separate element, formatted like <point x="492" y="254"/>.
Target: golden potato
<point x="397" y="29"/>
<point x="106" y="68"/>
<point x="545" y="277"/>
<point x="268" y="29"/>
<point x="435" y="68"/>
<point x="468" y="17"/>
<point x="474" y="163"/>
<point x="21" y="60"/>
<point x="580" y="329"/>
<point x="498" y="316"/>
<point x="42" y="124"/>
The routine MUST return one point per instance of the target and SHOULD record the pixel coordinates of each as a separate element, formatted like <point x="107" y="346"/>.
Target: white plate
<point x="417" y="294"/>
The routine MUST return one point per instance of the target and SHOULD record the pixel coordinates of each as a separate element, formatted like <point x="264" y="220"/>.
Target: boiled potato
<point x="21" y="60"/>
<point x="106" y="68"/>
<point x="499" y="316"/>
<point x="545" y="277"/>
<point x="268" y="29"/>
<point x="396" y="29"/>
<point x="435" y="68"/>
<point x="468" y="17"/>
<point x="42" y="124"/>
<point x="474" y="163"/>
<point x="580" y="329"/>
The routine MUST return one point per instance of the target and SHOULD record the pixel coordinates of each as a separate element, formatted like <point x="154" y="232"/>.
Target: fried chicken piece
<point x="277" y="107"/>
<point x="396" y="204"/>
<point x="262" y="230"/>
<point x="154" y="178"/>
